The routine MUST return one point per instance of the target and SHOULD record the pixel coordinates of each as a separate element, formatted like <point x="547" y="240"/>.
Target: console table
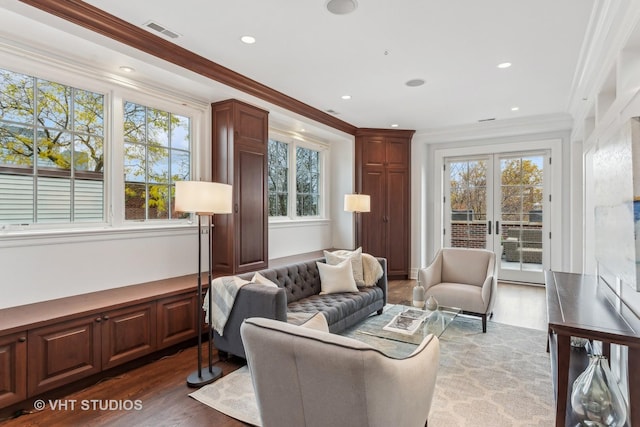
<point x="578" y="306"/>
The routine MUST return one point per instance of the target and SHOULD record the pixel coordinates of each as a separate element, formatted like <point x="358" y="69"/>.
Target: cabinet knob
<point x="98" y="319"/>
<point x="22" y="339"/>
<point x="105" y="317"/>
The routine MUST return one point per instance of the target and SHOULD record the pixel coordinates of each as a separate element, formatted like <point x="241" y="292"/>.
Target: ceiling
<point x="316" y="57"/>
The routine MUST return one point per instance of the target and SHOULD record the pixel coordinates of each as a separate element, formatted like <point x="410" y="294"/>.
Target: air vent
<point x="487" y="120"/>
<point x="330" y="111"/>
<point x="162" y="29"/>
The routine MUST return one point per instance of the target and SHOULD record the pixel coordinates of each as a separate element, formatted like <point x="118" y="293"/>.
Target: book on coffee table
<point x="407" y="322"/>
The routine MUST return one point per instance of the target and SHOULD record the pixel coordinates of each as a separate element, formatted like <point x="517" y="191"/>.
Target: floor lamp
<point x="357" y="203"/>
<point x="203" y="199"/>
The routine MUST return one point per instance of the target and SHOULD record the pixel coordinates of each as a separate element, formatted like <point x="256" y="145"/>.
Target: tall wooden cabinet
<point x="383" y="171"/>
<point x="239" y="157"/>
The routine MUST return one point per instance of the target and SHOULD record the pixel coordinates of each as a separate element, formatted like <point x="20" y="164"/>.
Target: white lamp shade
<point x="203" y="197"/>
<point x="357" y="203"/>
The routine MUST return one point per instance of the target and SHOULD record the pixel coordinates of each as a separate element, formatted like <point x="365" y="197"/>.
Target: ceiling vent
<point x="487" y="120"/>
<point x="162" y="29"/>
<point x="330" y="111"/>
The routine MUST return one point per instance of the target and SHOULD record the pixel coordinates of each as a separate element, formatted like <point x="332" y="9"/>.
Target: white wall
<point x="34" y="269"/>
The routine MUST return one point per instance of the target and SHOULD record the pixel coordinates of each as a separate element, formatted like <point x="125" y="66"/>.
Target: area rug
<point x="501" y="378"/>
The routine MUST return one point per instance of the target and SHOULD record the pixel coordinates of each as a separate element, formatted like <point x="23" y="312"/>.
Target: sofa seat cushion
<point x="337" y="306"/>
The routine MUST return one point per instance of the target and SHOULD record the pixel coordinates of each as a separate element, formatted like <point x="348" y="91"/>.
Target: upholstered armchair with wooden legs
<point x="310" y="377"/>
<point x="463" y="278"/>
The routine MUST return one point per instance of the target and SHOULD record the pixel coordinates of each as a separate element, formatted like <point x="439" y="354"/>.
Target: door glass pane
<point x="468" y="203"/>
<point x="521" y="212"/>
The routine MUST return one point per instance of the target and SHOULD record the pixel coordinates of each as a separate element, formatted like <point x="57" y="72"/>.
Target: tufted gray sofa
<point x="298" y="292"/>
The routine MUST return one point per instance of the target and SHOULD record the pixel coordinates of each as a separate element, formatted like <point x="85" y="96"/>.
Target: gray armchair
<point x="463" y="278"/>
<point x="309" y="377"/>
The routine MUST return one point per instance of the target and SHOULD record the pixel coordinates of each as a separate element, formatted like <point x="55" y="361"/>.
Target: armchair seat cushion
<point x="465" y="297"/>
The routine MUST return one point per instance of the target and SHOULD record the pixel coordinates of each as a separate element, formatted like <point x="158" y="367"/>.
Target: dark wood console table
<point x="578" y="306"/>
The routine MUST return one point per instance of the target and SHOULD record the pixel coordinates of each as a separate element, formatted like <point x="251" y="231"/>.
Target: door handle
<point x="497" y="227"/>
<point x="488" y="227"/>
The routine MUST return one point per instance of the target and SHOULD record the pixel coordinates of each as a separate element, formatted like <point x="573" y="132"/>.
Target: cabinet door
<point x="374" y="152"/>
<point x="13" y="368"/>
<point x="127" y="334"/>
<point x="176" y="319"/>
<point x="62" y="353"/>
<point x="372" y="234"/>
<point x="396" y="223"/>
<point x="397" y="152"/>
<point x="251" y="215"/>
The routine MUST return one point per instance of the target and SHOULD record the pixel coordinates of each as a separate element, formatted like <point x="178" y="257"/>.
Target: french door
<point x="499" y="202"/>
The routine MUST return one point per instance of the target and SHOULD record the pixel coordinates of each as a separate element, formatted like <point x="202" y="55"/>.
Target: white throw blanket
<point x="371" y="269"/>
<point x="224" y="294"/>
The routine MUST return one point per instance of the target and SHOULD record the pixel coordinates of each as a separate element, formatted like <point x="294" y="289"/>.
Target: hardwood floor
<point x="162" y="392"/>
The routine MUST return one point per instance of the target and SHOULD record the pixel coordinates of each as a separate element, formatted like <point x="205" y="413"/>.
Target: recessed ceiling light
<point x="504" y="65"/>
<point x="248" y="39"/>
<point x="341" y="7"/>
<point x="415" y="82"/>
<point x="394" y="125"/>
<point x="515" y="108"/>
<point x="127" y="69"/>
<point x="346" y="97"/>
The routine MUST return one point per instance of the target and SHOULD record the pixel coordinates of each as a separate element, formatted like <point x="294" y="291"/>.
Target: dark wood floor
<point x="161" y="387"/>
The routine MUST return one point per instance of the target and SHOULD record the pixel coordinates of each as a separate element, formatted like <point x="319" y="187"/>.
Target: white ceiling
<point x="309" y="54"/>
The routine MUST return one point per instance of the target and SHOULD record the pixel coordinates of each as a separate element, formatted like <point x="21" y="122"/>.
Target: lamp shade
<point x="357" y="203"/>
<point x="203" y="197"/>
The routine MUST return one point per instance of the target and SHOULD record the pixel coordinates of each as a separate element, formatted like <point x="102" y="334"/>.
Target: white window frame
<point x="294" y="140"/>
<point x="115" y="91"/>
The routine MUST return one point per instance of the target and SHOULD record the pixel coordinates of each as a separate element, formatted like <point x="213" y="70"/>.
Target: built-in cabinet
<point x="73" y="344"/>
<point x="383" y="172"/>
<point x="13" y="368"/>
<point x="239" y="157"/>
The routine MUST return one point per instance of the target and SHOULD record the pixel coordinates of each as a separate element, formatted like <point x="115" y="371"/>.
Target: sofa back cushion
<point x="300" y="280"/>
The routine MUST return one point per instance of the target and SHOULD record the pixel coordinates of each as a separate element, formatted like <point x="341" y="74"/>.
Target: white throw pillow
<point x="336" y="257"/>
<point x="260" y="279"/>
<point x="336" y="278"/>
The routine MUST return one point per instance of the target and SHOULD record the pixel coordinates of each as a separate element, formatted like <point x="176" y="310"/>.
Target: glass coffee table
<point x="436" y="323"/>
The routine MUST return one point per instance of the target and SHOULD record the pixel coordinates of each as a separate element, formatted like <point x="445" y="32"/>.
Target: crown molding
<point x="101" y="22"/>
<point x="561" y="122"/>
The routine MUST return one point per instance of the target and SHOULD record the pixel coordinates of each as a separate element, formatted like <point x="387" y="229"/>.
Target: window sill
<point x="290" y="223"/>
<point x="37" y="237"/>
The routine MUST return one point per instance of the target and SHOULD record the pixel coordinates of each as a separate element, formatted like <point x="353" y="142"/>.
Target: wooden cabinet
<point x="239" y="158"/>
<point x="13" y="368"/>
<point x="50" y="344"/>
<point x="176" y="319"/>
<point x="70" y="350"/>
<point x="383" y="172"/>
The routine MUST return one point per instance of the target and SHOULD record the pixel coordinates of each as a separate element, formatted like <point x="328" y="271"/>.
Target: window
<point x="156" y="155"/>
<point x="294" y="161"/>
<point x="307" y="181"/>
<point x="278" y="159"/>
<point x="51" y="152"/>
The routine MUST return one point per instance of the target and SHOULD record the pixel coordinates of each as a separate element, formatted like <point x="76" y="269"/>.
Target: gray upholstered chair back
<point x="306" y="377"/>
